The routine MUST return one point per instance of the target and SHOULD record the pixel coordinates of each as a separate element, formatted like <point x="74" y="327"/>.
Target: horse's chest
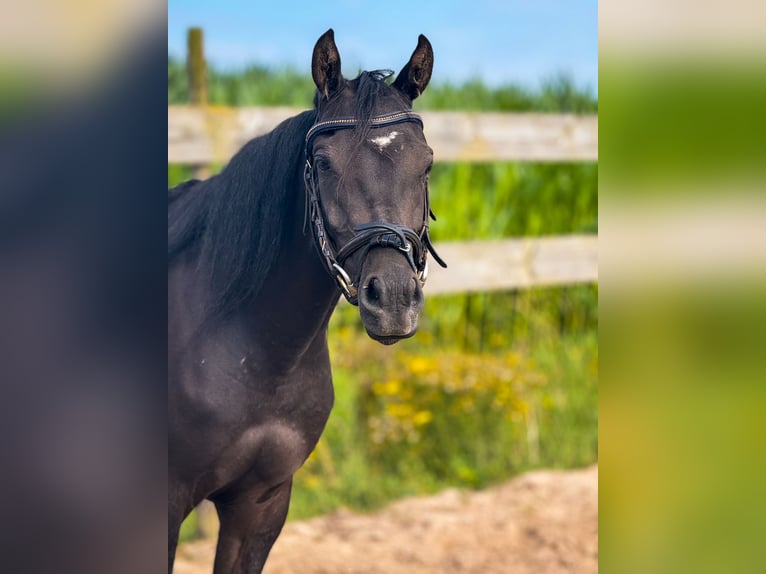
<point x="266" y="454"/>
<point x="238" y="419"/>
<point x="269" y="435"/>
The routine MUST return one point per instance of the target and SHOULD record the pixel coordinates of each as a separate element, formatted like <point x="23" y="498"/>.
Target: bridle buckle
<point x="345" y="281"/>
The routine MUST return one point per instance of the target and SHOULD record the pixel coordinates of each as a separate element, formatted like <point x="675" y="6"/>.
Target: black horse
<point x="333" y="201"/>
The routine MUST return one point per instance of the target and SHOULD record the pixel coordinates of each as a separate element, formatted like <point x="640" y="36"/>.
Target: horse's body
<point x="249" y="301"/>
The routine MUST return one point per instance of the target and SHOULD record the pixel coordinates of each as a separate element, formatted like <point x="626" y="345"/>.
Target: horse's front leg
<point x="178" y="508"/>
<point x="250" y="525"/>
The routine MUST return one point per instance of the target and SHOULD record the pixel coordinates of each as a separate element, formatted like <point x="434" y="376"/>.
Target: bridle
<point x="415" y="245"/>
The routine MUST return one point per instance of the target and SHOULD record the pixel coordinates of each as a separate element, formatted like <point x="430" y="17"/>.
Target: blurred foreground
<point x="682" y="194"/>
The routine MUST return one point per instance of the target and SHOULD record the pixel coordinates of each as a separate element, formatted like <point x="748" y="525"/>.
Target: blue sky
<point x="498" y="41"/>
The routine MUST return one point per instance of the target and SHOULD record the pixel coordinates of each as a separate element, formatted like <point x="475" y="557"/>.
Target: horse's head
<point x="367" y="187"/>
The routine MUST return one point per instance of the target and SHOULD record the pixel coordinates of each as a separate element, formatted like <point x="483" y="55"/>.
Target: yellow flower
<point x="420" y="365"/>
<point x="390" y="387"/>
<point x="422" y="418"/>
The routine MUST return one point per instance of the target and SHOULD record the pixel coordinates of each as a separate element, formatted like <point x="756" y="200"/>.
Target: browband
<point x="350" y="123"/>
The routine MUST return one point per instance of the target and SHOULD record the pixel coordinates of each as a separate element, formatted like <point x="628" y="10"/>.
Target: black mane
<point x="237" y="219"/>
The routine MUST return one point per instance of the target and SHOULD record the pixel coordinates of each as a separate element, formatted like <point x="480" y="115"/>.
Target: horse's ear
<point x="325" y="65"/>
<point x="416" y="74"/>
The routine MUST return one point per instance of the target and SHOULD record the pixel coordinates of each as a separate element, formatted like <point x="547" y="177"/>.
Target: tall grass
<point x="492" y="200"/>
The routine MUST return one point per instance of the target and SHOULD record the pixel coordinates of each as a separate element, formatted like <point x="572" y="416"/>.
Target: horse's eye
<point x="323" y="164"/>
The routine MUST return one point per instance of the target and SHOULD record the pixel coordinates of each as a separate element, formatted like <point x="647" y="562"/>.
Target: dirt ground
<point x="540" y="522"/>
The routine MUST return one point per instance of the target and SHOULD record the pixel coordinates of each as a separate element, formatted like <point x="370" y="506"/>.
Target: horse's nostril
<point x="373" y="290"/>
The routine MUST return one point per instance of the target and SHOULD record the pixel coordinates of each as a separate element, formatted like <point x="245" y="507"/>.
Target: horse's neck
<point x="294" y="306"/>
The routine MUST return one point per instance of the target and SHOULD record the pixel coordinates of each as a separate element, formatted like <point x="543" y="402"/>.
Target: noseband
<point x="415" y="245"/>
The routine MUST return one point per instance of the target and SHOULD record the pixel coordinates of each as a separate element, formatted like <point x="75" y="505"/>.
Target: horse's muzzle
<point x="390" y="296"/>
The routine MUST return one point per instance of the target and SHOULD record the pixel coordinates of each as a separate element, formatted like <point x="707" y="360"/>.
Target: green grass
<point x="500" y="199"/>
<point x="189" y="528"/>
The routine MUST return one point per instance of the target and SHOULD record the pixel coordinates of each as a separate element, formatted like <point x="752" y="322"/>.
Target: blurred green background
<point x="493" y="384"/>
<point x="683" y="389"/>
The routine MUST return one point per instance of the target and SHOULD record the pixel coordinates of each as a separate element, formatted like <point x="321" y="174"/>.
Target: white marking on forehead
<point x="384" y="141"/>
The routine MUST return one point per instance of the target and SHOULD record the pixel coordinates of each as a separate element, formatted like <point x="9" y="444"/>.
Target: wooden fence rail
<point x="204" y="134"/>
<point x="480" y="266"/>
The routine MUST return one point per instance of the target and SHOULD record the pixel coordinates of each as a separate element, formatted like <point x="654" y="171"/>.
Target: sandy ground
<point x="540" y="522"/>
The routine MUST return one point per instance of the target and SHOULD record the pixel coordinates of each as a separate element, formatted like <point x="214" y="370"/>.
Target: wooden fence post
<point x="196" y="69"/>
